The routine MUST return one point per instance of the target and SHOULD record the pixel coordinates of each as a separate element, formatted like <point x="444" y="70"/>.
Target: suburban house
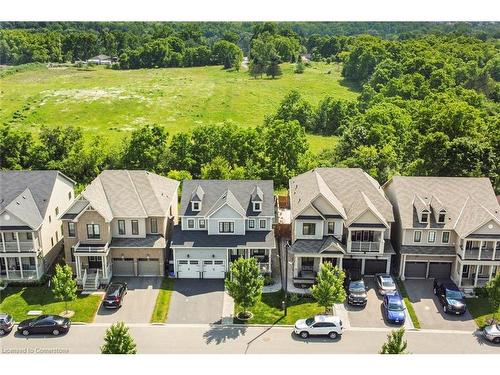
<point x="446" y="227"/>
<point x="30" y="230"/>
<point x="102" y="60"/>
<point x="339" y="215"/>
<point x="119" y="226"/>
<point x="221" y="220"/>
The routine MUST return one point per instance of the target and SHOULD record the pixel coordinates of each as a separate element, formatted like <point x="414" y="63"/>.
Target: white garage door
<point x="188" y="269"/>
<point x="214" y="269"/>
<point x="148" y="267"/>
<point x="123" y="267"/>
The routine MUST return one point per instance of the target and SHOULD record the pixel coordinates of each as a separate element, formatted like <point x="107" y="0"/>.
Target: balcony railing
<point x="486" y="254"/>
<point x="91" y="248"/>
<point x="24" y="246"/>
<point x="362" y="246"/>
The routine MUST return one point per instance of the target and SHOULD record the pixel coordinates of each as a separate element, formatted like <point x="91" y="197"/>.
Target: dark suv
<point x="6" y="324"/>
<point x="356" y="293"/>
<point x="114" y="295"/>
<point x="450" y="297"/>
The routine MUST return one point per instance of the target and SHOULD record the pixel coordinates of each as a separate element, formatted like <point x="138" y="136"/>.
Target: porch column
<point x="464" y="245"/>
<point x="480" y="248"/>
<point x="490" y="276"/>
<point x="34" y="240"/>
<point x="21" y="267"/>
<point x="476" y="276"/>
<point x="339" y="262"/>
<point x="3" y="241"/>
<point x="461" y="270"/>
<point x="104" y="267"/>
<point x="363" y="266"/>
<point x="78" y="273"/>
<point x="494" y="250"/>
<point x="381" y="246"/>
<point x="402" y="267"/>
<point x="7" y="267"/>
<point x="17" y="240"/>
<point x="388" y="266"/>
<point x="36" y="267"/>
<point x="349" y="240"/>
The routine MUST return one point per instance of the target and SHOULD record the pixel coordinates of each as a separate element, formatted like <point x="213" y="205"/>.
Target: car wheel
<point x="55" y="332"/>
<point x="304" y="334"/>
<point x="496" y="340"/>
<point x="333" y="335"/>
<point x="445" y="309"/>
<point x="26" y="332"/>
<point x="2" y="332"/>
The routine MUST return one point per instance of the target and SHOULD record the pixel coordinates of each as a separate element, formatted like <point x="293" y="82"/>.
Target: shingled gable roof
<point x="360" y="206"/>
<point x="257" y="194"/>
<point x="198" y="194"/>
<point x="420" y="204"/>
<point x="469" y="201"/>
<point x="342" y="187"/>
<point x="241" y="192"/>
<point x="227" y="198"/>
<point x="35" y="186"/>
<point x="124" y="193"/>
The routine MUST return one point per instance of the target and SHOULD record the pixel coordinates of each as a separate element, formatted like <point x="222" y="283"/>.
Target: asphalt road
<point x="206" y="339"/>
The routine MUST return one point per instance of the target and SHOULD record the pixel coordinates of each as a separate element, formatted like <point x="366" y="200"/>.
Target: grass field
<point x="481" y="310"/>
<point x="111" y="103"/>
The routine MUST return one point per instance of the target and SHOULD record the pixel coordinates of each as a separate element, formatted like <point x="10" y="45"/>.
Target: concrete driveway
<point x="430" y="312"/>
<point x="138" y="304"/>
<point x="196" y="301"/>
<point x="372" y="315"/>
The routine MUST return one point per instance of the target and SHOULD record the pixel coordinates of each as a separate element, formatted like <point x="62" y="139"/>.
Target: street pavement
<point x="216" y="339"/>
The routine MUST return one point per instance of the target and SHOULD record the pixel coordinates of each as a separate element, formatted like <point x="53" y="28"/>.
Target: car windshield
<point x="453" y="294"/>
<point x="395" y="305"/>
<point x="388" y="283"/>
<point x="357" y="286"/>
<point x="309" y="321"/>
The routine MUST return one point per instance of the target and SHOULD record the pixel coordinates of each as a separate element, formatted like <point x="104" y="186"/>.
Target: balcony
<point x="365" y="246"/>
<point x="86" y="249"/>
<point x="486" y="254"/>
<point x="24" y="246"/>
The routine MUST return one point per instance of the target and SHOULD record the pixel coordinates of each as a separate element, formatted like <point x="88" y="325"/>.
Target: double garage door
<point x="201" y="268"/>
<point x="437" y="270"/>
<point x="145" y="267"/>
<point x="372" y="266"/>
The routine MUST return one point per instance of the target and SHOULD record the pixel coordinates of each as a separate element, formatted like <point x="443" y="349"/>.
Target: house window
<point x="262" y="224"/>
<point x="307" y="264"/>
<point x="93" y="231"/>
<point x="226" y="227"/>
<point x="201" y="223"/>
<point x="251" y="223"/>
<point x="121" y="227"/>
<point x="154" y="225"/>
<point x="57" y="237"/>
<point x="73" y="254"/>
<point x="52" y="241"/>
<point x="135" y="227"/>
<point x="70" y="195"/>
<point x="13" y="236"/>
<point x="57" y="211"/>
<point x="446" y="237"/>
<point x="71" y="230"/>
<point x="257" y="206"/>
<point x="309" y="229"/>
<point x="50" y="219"/>
<point x="441" y="217"/>
<point x="425" y="217"/>
<point x="190" y="223"/>
<point x="29" y="235"/>
<point x="417" y="236"/>
<point x="363" y="236"/>
<point x="258" y="252"/>
<point x="331" y="227"/>
<point x="432" y="236"/>
<point x="196" y="206"/>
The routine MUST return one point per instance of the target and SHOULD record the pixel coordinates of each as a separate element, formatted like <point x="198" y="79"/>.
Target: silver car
<point x="492" y="333"/>
<point x="327" y="325"/>
<point x="385" y="283"/>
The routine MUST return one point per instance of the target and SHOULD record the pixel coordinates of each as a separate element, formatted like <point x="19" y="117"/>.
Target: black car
<point x="114" y="295"/>
<point x="6" y="324"/>
<point x="356" y="293"/>
<point x="450" y="297"/>
<point x="53" y="324"/>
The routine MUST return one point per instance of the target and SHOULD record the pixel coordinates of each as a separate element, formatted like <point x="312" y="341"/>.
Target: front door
<point x="95" y="263"/>
<point x="465" y="271"/>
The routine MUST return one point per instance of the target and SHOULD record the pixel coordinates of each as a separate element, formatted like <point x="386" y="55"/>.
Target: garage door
<point x="123" y="267"/>
<point x="214" y="269"/>
<point x="439" y="270"/>
<point x="415" y="269"/>
<point x="352" y="264"/>
<point x="148" y="267"/>
<point x="373" y="266"/>
<point x="188" y="269"/>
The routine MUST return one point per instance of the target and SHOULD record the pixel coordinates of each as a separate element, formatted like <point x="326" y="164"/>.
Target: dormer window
<point x="441" y="217"/>
<point x="257" y="206"/>
<point x="425" y="217"/>
<point x="196" y="206"/>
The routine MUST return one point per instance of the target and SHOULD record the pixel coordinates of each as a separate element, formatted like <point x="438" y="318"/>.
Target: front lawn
<point x="268" y="310"/>
<point x="160" y="311"/>
<point x="481" y="310"/>
<point x="17" y="301"/>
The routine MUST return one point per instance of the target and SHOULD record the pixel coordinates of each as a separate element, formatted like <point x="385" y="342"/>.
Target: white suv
<point x="327" y="325"/>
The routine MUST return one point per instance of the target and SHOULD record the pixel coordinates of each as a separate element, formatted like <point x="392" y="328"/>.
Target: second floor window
<point x="262" y="224"/>
<point x="29" y="235"/>
<point x="93" y="231"/>
<point x="417" y="236"/>
<point x="57" y="211"/>
<point x="201" y="223"/>
<point x="121" y="227"/>
<point x="226" y="227"/>
<point x="309" y="229"/>
<point x="190" y="223"/>
<point x="135" y="227"/>
<point x="425" y="217"/>
<point x="154" y="225"/>
<point x="251" y="223"/>
<point x="446" y="237"/>
<point x="432" y="236"/>
<point x="331" y="227"/>
<point x="71" y="230"/>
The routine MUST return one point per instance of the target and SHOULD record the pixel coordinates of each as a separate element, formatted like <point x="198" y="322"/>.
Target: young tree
<point x="245" y="284"/>
<point x="299" y="67"/>
<point x="329" y="287"/>
<point x="227" y="54"/>
<point x="273" y="68"/>
<point x="493" y="290"/>
<point x="395" y="343"/>
<point x="118" y="340"/>
<point x="63" y="285"/>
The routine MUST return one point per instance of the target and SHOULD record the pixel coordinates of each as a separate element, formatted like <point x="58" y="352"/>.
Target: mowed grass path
<point x="111" y="103"/>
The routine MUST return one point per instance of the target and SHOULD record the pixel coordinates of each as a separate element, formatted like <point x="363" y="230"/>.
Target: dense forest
<point x="428" y="103"/>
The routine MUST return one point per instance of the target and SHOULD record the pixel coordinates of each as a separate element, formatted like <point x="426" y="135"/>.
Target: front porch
<point x="93" y="265"/>
<point x="306" y="267"/>
<point x="263" y="257"/>
<point x="476" y="275"/>
<point x="25" y="267"/>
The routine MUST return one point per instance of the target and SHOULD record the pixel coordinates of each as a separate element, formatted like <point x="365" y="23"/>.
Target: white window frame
<point x="251" y="224"/>
<point x="442" y="237"/>
<point x="69" y="230"/>
<point x="259" y="204"/>
<point x="231" y="225"/>
<point x="196" y="206"/>
<point x="154" y="220"/>
<point x="132" y="225"/>
<point x="200" y="221"/>
<point x="433" y="232"/>
<point x="260" y="224"/>
<point x="444" y="217"/>
<point x="422" y="216"/>
<point x="124" y="227"/>
<point x="190" y="223"/>
<point x="308" y="234"/>
<point x="328" y="227"/>
<point x="415" y="236"/>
